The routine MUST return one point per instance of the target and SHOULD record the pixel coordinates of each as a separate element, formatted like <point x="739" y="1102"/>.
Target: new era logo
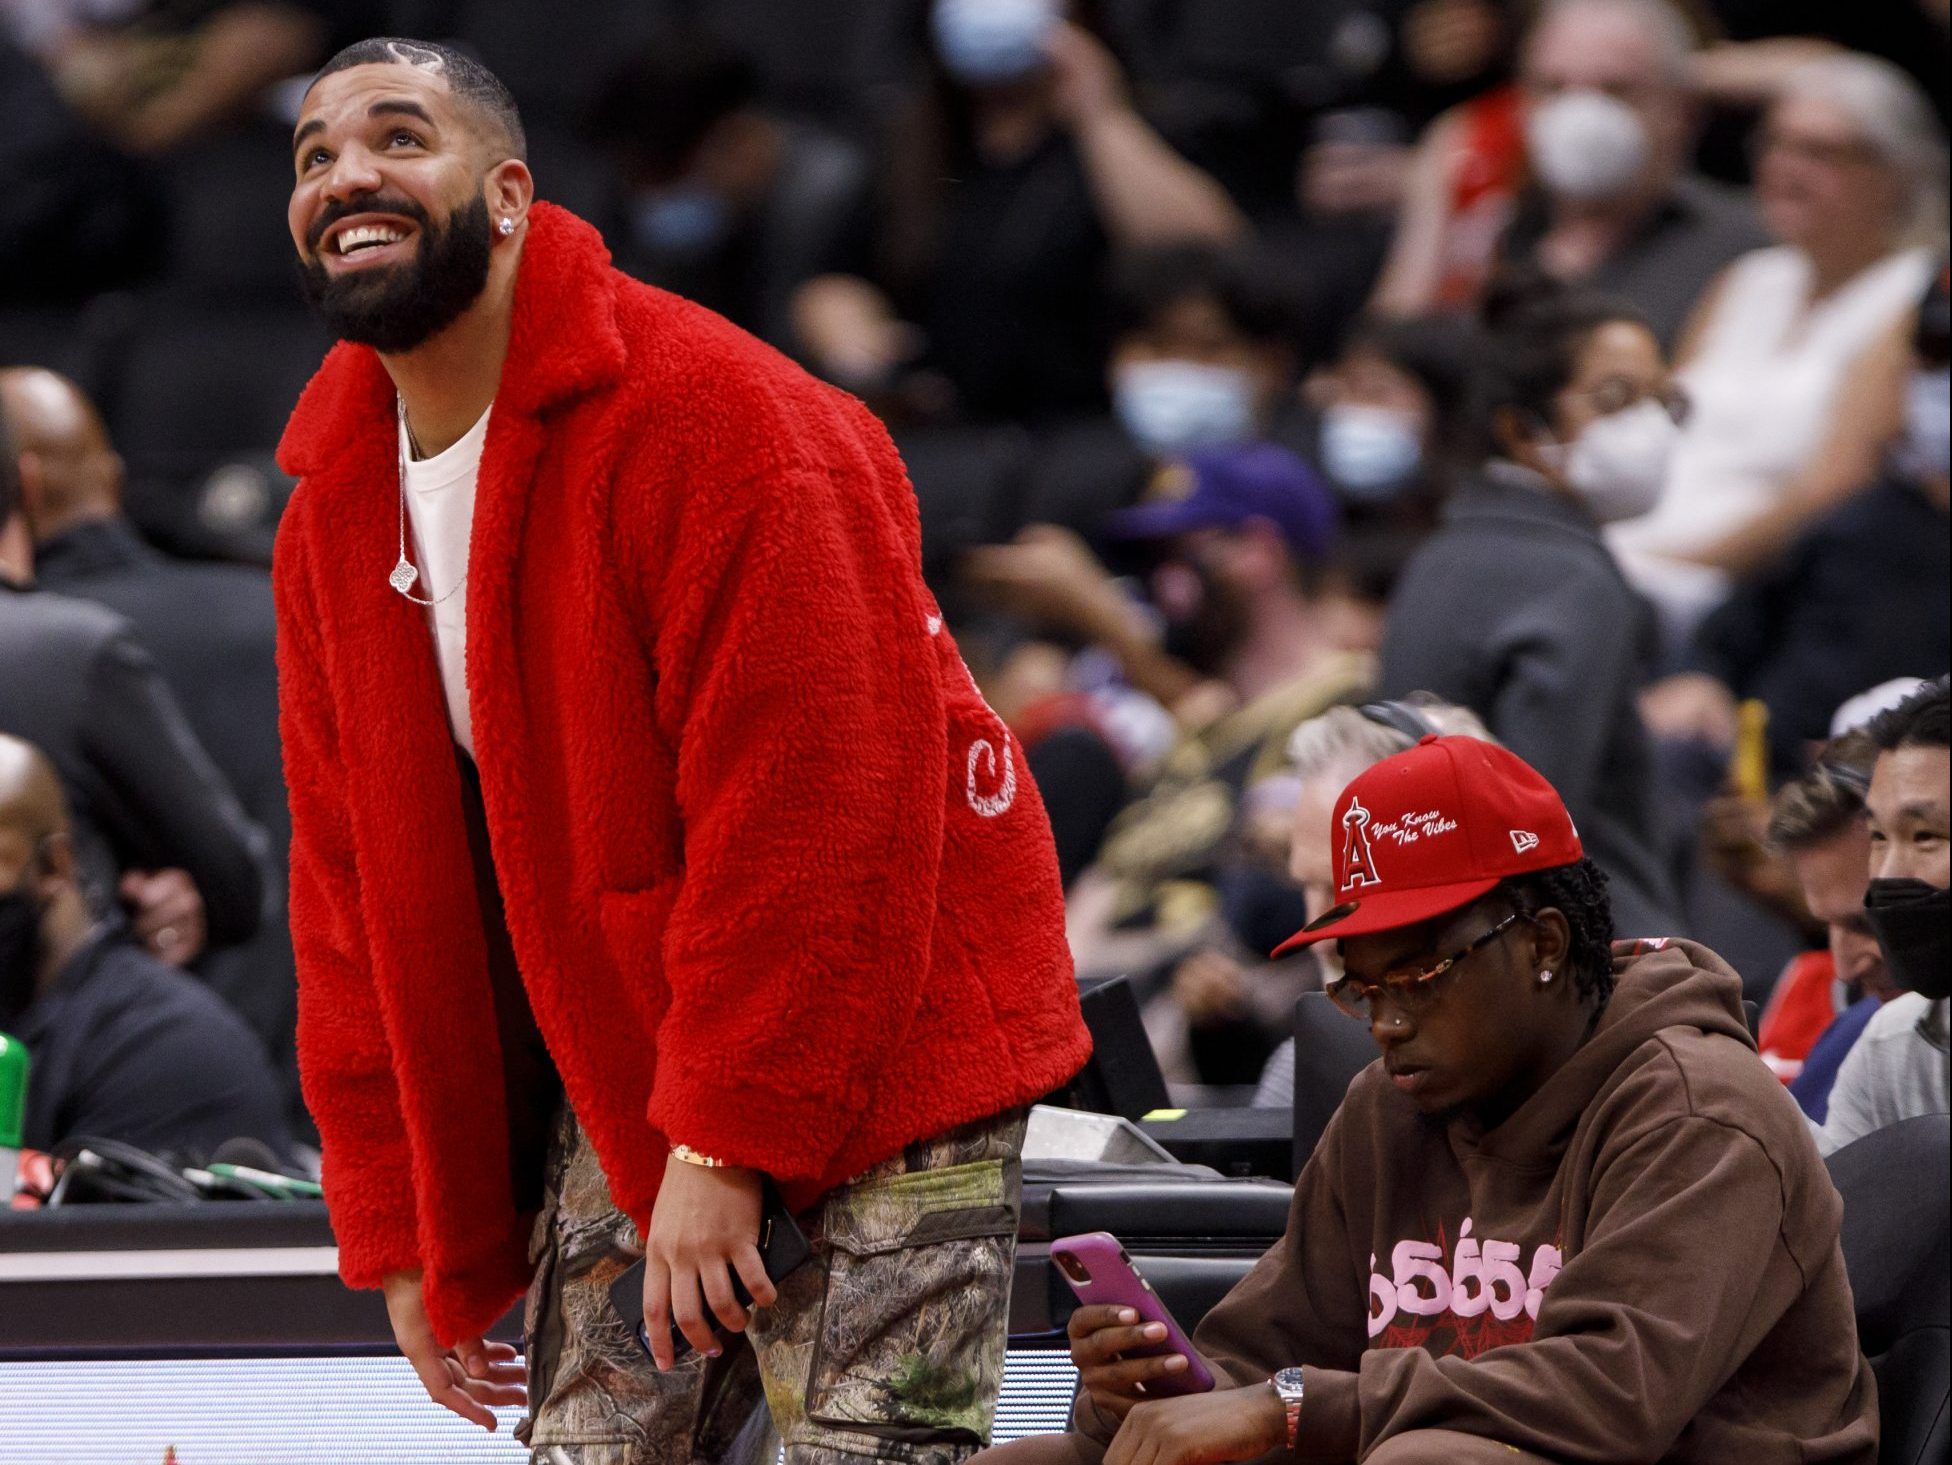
<point x="1524" y="841"/>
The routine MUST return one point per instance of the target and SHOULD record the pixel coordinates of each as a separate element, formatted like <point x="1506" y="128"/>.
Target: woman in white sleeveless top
<point x="1786" y="357"/>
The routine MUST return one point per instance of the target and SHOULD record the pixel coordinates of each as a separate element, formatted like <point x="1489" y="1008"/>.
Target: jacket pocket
<point x="913" y="1325"/>
<point x="632" y="923"/>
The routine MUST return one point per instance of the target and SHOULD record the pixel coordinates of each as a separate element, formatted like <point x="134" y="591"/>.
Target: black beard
<point x="402" y="307"/>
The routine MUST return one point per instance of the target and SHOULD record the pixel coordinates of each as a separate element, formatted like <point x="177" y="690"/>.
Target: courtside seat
<point x="1331" y="1048"/>
<point x="1897" y="1190"/>
<point x="1192" y="1240"/>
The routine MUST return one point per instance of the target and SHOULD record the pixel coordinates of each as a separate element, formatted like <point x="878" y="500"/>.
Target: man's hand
<point x="1202" y="1429"/>
<point x="1210" y="987"/>
<point x="167" y="914"/>
<point x="1087" y="83"/>
<point x="1691" y="705"/>
<point x="1099" y="1338"/>
<point x="704" y="1228"/>
<point x="467" y="1379"/>
<point x="1049" y="574"/>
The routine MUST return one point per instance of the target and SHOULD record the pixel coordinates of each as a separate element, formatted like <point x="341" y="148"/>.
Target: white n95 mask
<point x="1618" y="465"/>
<point x="1586" y="146"/>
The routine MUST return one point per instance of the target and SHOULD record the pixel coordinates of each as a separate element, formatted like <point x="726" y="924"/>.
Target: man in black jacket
<point x="210" y="628"/>
<point x="156" y="827"/>
<point x="1515" y="607"/>
<point x="123" y="1047"/>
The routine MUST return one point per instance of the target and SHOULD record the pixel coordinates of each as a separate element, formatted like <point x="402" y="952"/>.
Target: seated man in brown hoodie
<point x="1570" y="1216"/>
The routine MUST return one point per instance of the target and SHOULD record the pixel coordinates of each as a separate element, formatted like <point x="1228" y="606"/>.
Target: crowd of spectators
<point x="1279" y="382"/>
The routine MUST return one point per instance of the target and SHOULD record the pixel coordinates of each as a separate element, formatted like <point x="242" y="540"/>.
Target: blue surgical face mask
<point x="1173" y="407"/>
<point x="687" y="219"/>
<point x="1370" y="452"/>
<point x="1924" y="453"/>
<point x="990" y="42"/>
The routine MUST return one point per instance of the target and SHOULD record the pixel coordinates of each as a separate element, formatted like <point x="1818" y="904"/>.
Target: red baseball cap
<point x="1430" y="830"/>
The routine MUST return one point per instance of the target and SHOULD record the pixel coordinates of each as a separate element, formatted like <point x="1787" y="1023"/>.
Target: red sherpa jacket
<point x="777" y="879"/>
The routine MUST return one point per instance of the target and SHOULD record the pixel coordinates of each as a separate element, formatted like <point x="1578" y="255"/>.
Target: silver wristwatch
<point x="1287" y="1388"/>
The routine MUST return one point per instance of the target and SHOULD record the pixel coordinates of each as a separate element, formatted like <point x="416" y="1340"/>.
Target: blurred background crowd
<point x="1280" y="380"/>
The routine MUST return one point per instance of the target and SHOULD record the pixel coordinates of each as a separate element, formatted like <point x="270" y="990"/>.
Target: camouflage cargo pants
<point x="888" y="1346"/>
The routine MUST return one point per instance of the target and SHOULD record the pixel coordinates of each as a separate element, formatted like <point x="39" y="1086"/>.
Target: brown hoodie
<point x="1640" y="1264"/>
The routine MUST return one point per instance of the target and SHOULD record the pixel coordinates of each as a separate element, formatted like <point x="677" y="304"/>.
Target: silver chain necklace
<point x="405" y="575"/>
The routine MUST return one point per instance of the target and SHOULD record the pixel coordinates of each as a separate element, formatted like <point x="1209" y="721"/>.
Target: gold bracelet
<point x="693" y="1157"/>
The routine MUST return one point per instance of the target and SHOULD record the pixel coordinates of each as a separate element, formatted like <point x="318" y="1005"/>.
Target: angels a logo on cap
<point x="1358" y="861"/>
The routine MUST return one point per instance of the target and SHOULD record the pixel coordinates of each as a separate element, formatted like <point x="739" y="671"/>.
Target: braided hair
<point x="1577" y="892"/>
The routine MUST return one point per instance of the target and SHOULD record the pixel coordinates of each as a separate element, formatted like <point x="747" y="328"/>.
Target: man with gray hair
<point x="1609" y="110"/>
<point x="1609" y="127"/>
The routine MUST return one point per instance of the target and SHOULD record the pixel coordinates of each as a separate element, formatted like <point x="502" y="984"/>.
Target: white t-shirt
<point x="440" y="511"/>
<point x="1897" y="1069"/>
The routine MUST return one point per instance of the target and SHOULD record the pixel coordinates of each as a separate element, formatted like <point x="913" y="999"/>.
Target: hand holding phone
<point x="1124" y="1340"/>
<point x="783" y="1250"/>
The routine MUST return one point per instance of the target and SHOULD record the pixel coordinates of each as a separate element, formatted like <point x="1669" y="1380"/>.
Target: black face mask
<point x="20" y="951"/>
<point x="1911" y="919"/>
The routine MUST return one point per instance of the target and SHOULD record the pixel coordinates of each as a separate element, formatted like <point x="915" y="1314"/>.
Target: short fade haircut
<point x="1827" y="800"/>
<point x="475" y="85"/>
<point x="1922" y="720"/>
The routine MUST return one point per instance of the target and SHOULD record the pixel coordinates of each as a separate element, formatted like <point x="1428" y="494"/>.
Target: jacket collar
<point x="1515" y="494"/>
<point x="95" y="548"/>
<point x="564" y="343"/>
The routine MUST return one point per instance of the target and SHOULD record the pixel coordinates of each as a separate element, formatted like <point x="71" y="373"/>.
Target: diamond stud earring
<point x="1544" y="977"/>
<point x="507" y="226"/>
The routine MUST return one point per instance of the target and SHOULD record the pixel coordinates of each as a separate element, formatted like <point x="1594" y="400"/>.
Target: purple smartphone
<point x="1101" y="1274"/>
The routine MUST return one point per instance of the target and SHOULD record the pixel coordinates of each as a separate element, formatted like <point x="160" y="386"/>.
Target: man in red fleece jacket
<point x="649" y="835"/>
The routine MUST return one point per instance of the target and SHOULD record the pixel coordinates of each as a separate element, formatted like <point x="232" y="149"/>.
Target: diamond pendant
<point x="403" y="577"/>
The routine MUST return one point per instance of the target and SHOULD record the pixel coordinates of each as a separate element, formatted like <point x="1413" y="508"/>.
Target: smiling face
<point x="1832" y="874"/>
<point x="1910" y="812"/>
<point x="396" y="185"/>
